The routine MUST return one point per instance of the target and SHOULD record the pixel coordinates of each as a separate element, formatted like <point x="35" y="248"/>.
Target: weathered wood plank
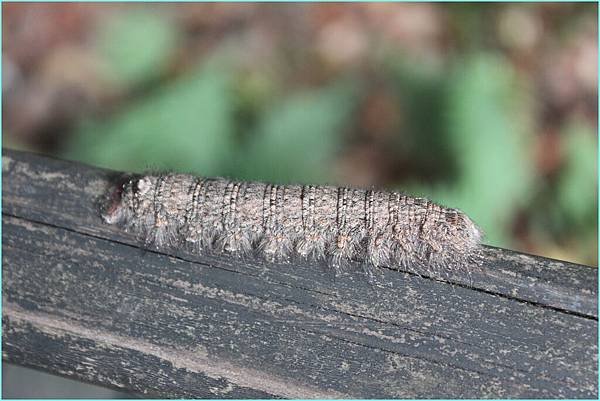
<point x="81" y="299"/>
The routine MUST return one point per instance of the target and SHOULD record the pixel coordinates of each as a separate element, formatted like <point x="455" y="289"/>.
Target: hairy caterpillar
<point x="279" y="221"/>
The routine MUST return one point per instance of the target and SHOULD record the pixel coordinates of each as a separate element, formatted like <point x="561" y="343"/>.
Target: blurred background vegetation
<point x="491" y="108"/>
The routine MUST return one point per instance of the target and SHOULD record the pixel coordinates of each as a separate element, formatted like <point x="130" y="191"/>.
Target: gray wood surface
<point x="84" y="300"/>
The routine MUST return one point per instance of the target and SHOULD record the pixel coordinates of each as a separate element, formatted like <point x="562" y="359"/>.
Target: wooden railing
<point x="84" y="300"/>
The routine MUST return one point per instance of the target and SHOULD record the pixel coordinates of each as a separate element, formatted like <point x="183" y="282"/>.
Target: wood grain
<point x="82" y="299"/>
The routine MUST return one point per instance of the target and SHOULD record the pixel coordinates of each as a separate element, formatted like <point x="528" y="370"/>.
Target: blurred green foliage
<point x="577" y="190"/>
<point x="465" y="131"/>
<point x="423" y="96"/>
<point x="489" y="138"/>
<point x="567" y="210"/>
<point x="184" y="126"/>
<point x="136" y="46"/>
<point x="577" y="184"/>
<point x="471" y="123"/>
<point x="298" y="139"/>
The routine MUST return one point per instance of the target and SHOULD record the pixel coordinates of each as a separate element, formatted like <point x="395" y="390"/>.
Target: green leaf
<point x="136" y="45"/>
<point x="298" y="139"/>
<point x="490" y="139"/>
<point x="421" y="139"/>
<point x="577" y="185"/>
<point x="184" y="127"/>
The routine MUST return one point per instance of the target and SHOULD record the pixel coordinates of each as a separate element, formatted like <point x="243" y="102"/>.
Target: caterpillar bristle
<point x="278" y="222"/>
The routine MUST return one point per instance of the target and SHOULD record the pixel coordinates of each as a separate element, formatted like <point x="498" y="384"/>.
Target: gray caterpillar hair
<point x="336" y="224"/>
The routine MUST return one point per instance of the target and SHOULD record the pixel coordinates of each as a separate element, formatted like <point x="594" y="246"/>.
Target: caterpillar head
<point x="123" y="197"/>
